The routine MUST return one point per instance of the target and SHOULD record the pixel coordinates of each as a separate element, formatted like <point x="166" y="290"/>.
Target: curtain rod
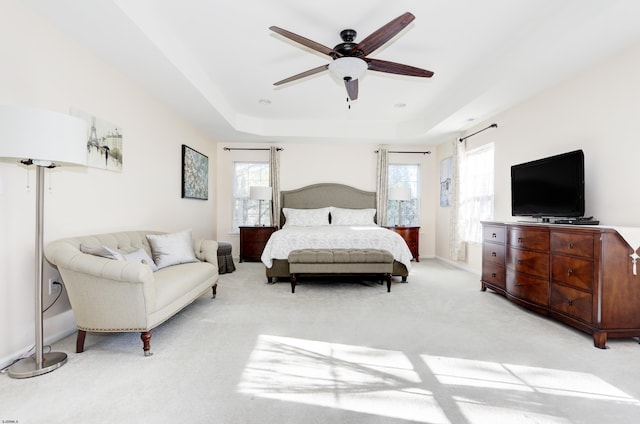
<point x="250" y="148"/>
<point x="428" y="152"/>
<point x="471" y="135"/>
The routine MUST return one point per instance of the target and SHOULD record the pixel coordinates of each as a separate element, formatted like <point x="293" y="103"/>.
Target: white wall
<point x="303" y="164"/>
<point x="42" y="68"/>
<point x="596" y="111"/>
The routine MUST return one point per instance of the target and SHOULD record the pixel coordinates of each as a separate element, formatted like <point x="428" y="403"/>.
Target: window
<point x="405" y="213"/>
<point x="245" y="210"/>
<point x="476" y="192"/>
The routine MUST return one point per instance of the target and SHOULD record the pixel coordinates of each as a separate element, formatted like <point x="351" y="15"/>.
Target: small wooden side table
<point x="252" y="242"/>
<point x="411" y="236"/>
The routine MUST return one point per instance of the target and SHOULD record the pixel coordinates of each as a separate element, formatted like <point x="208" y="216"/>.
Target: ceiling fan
<point x="350" y="59"/>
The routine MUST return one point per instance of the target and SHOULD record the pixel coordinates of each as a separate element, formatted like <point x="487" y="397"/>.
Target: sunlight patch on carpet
<point x="353" y="378"/>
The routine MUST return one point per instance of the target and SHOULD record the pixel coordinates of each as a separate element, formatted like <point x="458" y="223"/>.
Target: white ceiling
<point x="215" y="61"/>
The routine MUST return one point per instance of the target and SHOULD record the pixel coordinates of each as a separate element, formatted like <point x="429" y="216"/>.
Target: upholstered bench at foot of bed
<point x="340" y="261"/>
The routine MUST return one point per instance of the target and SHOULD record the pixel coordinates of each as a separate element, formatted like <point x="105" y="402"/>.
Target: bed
<point x="342" y="198"/>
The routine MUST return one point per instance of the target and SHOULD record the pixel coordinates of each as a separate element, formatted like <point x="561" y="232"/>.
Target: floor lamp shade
<point x="44" y="139"/>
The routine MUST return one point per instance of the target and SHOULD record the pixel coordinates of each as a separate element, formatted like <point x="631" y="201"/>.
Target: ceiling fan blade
<point x="384" y="34"/>
<point x="305" y="42"/>
<point x="397" y="68"/>
<point x="303" y="74"/>
<point x="352" y="88"/>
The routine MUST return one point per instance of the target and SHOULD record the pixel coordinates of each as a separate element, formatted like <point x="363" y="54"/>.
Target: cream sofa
<point x="124" y="294"/>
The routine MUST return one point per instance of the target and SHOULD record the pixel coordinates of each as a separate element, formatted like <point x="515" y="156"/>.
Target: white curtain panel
<point x="274" y="181"/>
<point x="382" y="187"/>
<point x="457" y="246"/>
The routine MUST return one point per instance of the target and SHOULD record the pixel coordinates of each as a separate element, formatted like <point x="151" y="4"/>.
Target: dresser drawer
<point x="493" y="233"/>
<point x="529" y="262"/>
<point x="575" y="303"/>
<point x="494" y="274"/>
<point x="529" y="239"/>
<point x="527" y="287"/>
<point x="572" y="244"/>
<point x="494" y="253"/>
<point x="572" y="271"/>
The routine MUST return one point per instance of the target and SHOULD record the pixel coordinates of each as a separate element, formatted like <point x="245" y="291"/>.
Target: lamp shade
<point x="260" y="193"/>
<point x="348" y="67"/>
<point x="400" y="193"/>
<point x="45" y="137"/>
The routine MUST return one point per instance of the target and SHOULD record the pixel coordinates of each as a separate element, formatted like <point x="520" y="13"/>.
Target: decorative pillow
<point x="341" y="216"/>
<point x="102" y="251"/>
<point x="172" y="249"/>
<point x="306" y="217"/>
<point x="141" y="256"/>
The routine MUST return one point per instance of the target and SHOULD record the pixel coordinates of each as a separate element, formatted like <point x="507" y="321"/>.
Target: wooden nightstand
<point x="411" y="235"/>
<point x="252" y="242"/>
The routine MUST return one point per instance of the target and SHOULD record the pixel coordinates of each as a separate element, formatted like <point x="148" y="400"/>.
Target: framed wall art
<point x="195" y="174"/>
<point x="104" y="142"/>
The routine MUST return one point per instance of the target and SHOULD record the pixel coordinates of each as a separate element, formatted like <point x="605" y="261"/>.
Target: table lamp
<point x="44" y="139"/>
<point x="260" y="193"/>
<point x="400" y="194"/>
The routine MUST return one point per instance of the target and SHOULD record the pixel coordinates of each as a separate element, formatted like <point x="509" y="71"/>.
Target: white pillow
<point x="306" y="217"/>
<point x="172" y="249"/>
<point x="341" y="216"/>
<point x="102" y="251"/>
<point x="140" y="256"/>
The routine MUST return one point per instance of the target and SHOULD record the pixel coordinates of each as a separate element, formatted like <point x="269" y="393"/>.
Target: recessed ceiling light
<point x="264" y="101"/>
<point x="400" y="105"/>
<point x="471" y="119"/>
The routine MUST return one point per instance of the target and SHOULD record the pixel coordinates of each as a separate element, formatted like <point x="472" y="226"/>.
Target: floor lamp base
<point x="27" y="367"/>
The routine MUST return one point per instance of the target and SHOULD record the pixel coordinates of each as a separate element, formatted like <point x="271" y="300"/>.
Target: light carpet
<point x="434" y="350"/>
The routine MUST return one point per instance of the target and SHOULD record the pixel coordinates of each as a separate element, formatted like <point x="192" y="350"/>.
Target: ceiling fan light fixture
<point x="348" y="68"/>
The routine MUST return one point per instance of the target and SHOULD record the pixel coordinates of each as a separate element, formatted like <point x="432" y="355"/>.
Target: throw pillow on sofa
<point x="172" y="249"/>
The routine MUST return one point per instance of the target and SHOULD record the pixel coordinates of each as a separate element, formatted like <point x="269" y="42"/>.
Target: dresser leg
<point x="600" y="339"/>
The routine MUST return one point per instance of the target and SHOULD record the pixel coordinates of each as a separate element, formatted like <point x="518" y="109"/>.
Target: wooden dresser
<point x="252" y="242"/>
<point x="411" y="236"/>
<point x="582" y="276"/>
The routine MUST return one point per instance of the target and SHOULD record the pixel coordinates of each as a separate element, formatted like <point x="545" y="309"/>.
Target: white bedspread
<point x="335" y="237"/>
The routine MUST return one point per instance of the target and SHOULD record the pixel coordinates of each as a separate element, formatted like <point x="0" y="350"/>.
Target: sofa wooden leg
<point x="293" y="283"/>
<point x="146" y="341"/>
<point x="388" y="283"/>
<point x="214" y="288"/>
<point x="80" y="341"/>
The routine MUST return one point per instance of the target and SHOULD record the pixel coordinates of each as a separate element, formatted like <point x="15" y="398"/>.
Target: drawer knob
<point x="519" y="239"/>
<point x="569" y="302"/>
<point x="570" y="245"/>
<point x="569" y="272"/>
<point x="494" y="235"/>
<point x="493" y="254"/>
<point x="519" y="262"/>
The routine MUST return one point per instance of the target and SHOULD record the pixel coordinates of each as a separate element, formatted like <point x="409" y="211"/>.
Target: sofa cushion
<point x="172" y="249"/>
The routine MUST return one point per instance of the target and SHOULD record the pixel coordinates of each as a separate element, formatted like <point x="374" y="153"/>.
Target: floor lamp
<point x="400" y="194"/>
<point x="260" y="193"/>
<point x="43" y="139"/>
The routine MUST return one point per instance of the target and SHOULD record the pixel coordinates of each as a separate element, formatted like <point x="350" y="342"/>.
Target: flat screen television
<point x="549" y="187"/>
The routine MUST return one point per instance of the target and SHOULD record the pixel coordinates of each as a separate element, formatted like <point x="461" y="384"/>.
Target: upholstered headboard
<point x="327" y="194"/>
